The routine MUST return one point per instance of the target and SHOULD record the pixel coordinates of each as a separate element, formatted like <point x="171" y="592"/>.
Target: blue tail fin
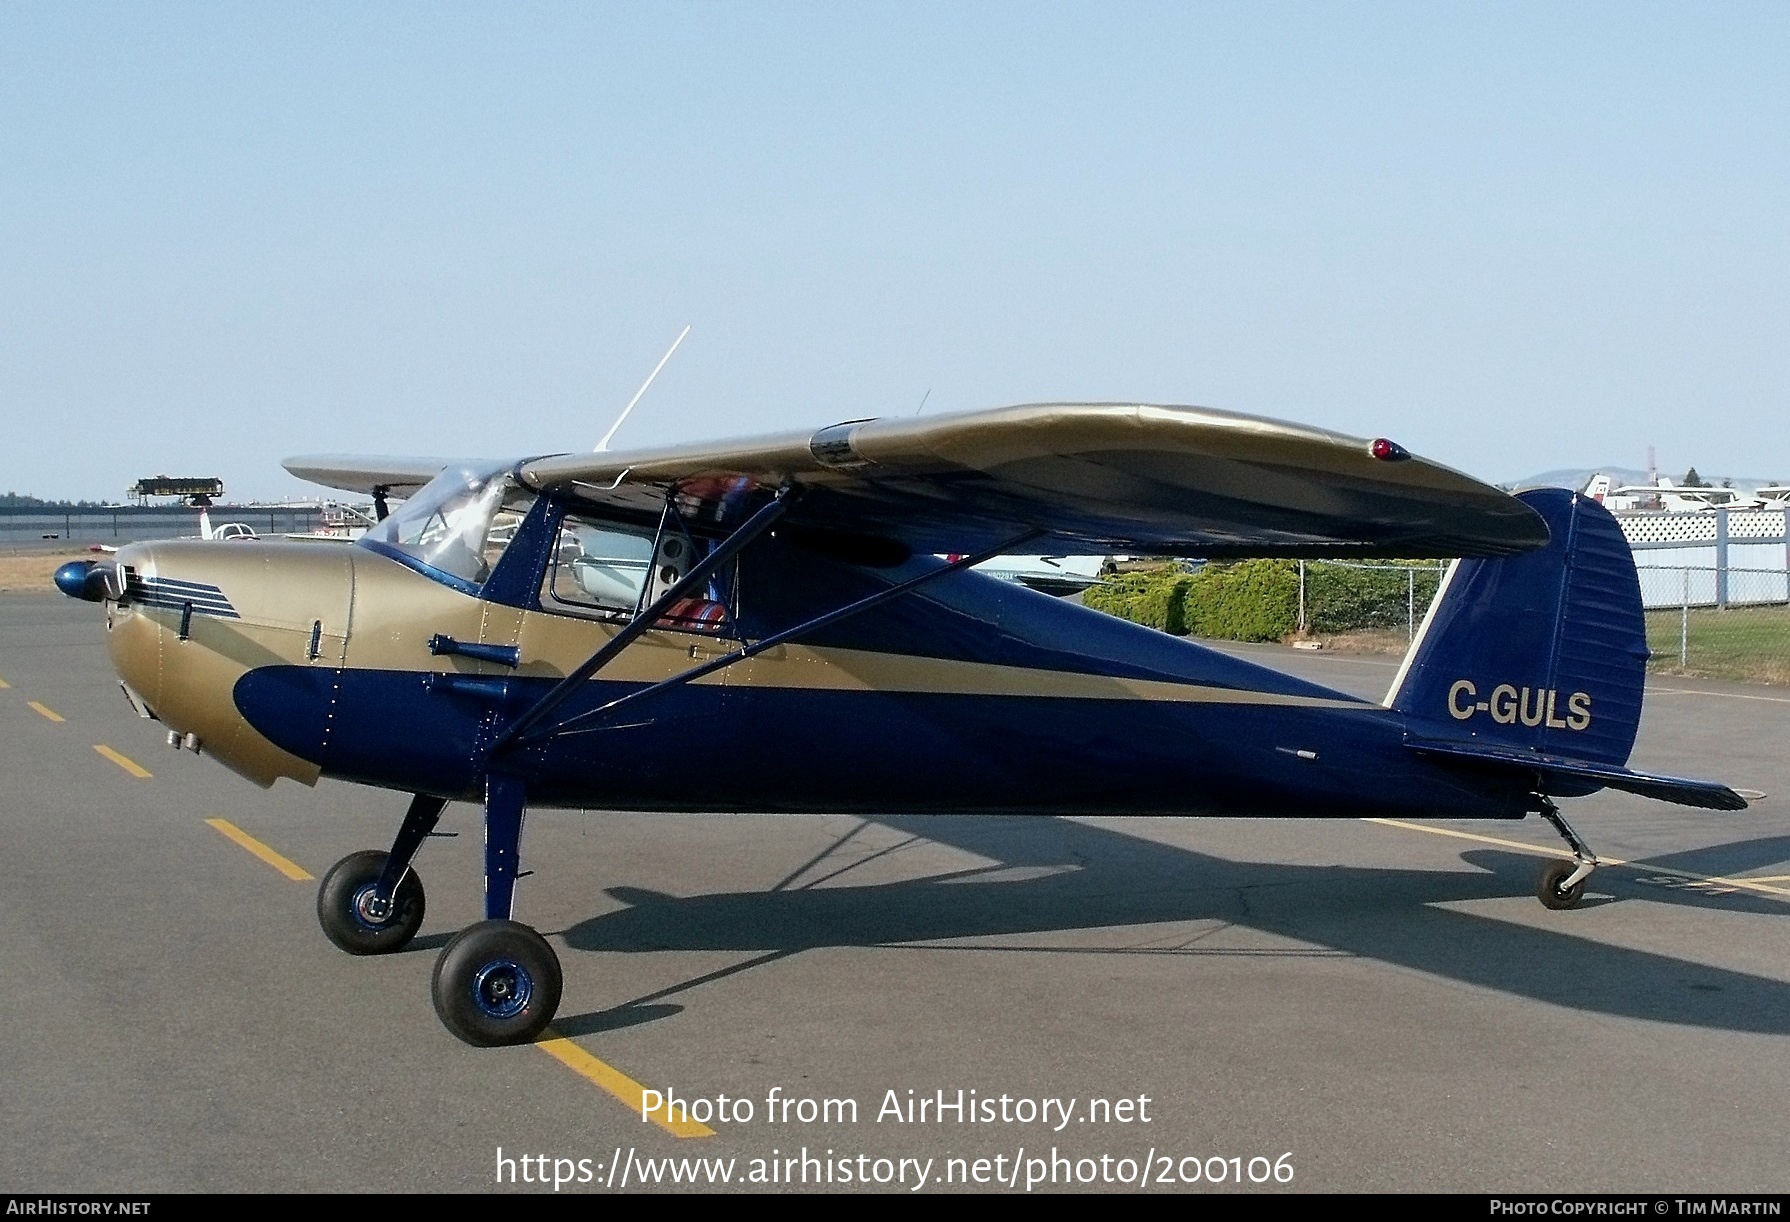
<point x="1541" y="653"/>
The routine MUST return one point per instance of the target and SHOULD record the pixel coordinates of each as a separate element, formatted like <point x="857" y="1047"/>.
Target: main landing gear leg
<point x="371" y="903"/>
<point x="1562" y="883"/>
<point x="498" y="982"/>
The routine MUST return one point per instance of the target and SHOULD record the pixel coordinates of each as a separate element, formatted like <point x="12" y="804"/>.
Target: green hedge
<point x="1258" y="600"/>
<point x="1251" y="600"/>
<point x="1155" y="598"/>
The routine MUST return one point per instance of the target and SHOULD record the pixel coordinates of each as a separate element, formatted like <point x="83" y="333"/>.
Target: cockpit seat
<point x="694" y="615"/>
<point x="613" y="583"/>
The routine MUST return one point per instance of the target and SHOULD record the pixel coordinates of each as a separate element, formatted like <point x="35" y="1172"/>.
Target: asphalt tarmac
<point x="1353" y="1006"/>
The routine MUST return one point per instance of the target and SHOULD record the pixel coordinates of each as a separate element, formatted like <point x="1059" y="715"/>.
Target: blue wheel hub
<point x="369" y="912"/>
<point x="502" y="988"/>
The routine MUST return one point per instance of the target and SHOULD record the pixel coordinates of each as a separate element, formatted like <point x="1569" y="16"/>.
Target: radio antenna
<point x="604" y="444"/>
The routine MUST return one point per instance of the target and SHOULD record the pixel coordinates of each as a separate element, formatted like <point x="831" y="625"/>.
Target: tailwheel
<point x="497" y="982"/>
<point x="1562" y="883"/>
<point x="355" y="918"/>
<point x="1550" y="889"/>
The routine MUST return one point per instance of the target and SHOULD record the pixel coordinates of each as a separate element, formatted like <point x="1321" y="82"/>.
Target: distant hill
<point x="1576" y="478"/>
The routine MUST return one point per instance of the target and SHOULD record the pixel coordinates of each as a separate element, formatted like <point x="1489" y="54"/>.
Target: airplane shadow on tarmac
<point x="1103" y="878"/>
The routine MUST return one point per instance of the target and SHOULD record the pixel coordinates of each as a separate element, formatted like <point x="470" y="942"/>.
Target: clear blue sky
<point x="1513" y="237"/>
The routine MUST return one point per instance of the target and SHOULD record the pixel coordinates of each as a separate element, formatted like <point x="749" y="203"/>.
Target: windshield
<point x="458" y="524"/>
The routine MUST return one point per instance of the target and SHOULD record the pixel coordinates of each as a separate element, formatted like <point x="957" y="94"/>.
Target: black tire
<point x="1548" y="890"/>
<point x="497" y="982"/>
<point x="343" y="911"/>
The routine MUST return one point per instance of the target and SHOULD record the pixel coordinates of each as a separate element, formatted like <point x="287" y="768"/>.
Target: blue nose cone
<point x="81" y="579"/>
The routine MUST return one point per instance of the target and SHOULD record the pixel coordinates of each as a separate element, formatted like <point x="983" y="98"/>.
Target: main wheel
<point x="497" y="982"/>
<point x="351" y="914"/>
<point x="1549" y="891"/>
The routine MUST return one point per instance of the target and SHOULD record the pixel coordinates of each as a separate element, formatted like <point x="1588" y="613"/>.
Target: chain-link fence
<point x="1702" y="620"/>
<point x="40" y="526"/>
<point x="1356" y="605"/>
<point x="1344" y="596"/>
<point x="1727" y="623"/>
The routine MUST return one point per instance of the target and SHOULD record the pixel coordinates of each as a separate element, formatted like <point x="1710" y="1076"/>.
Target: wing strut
<point x="699" y="573"/>
<point x="777" y="638"/>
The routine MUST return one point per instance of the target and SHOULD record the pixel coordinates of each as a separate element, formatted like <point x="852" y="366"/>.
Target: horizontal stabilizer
<point x="1709" y="795"/>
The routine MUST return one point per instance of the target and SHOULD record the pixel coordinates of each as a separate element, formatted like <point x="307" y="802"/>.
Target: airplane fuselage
<point x="968" y="695"/>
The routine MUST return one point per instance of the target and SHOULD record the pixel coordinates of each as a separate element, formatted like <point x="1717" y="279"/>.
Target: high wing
<point x="1079" y="478"/>
<point x="370" y="476"/>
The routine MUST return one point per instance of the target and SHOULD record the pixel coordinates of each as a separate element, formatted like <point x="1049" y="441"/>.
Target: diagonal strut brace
<point x="562" y="691"/>
<point x="419" y="821"/>
<point x="788" y="634"/>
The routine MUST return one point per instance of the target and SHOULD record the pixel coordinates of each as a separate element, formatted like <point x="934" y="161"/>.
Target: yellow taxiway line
<point x="49" y="713"/>
<point x="284" y="865"/>
<point x="552" y="1043"/>
<point x="4" y="684"/>
<point x="1744" y="884"/>
<point x="614" y="1081"/>
<point x="123" y="761"/>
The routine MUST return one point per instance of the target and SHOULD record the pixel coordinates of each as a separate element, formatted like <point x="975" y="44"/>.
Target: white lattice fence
<point x="1710" y="558"/>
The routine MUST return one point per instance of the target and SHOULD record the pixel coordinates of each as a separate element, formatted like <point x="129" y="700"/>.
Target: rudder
<point x="1543" y="652"/>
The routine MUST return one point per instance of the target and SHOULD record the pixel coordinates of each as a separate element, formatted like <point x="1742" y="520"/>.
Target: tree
<point x="24" y="500"/>
<point x="1693" y="480"/>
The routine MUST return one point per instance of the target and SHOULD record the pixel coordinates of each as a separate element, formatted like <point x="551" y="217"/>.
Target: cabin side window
<point x="609" y="570"/>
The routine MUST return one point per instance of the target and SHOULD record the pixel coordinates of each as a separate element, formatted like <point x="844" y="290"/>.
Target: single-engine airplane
<point x="770" y="625"/>
<point x="233" y="532"/>
<point x="1058" y="575"/>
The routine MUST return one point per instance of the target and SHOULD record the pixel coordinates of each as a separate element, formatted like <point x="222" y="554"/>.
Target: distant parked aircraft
<point x="1665" y="496"/>
<point x="224" y="530"/>
<point x="1058" y="575"/>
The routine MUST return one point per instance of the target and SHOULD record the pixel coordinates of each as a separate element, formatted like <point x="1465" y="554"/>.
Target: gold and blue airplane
<point x="768" y="625"/>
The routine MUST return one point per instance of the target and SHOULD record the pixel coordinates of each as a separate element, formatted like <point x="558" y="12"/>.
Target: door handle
<point x="502" y="655"/>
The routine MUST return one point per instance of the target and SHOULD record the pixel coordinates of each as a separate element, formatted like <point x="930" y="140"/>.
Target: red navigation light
<point x="1387" y="450"/>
